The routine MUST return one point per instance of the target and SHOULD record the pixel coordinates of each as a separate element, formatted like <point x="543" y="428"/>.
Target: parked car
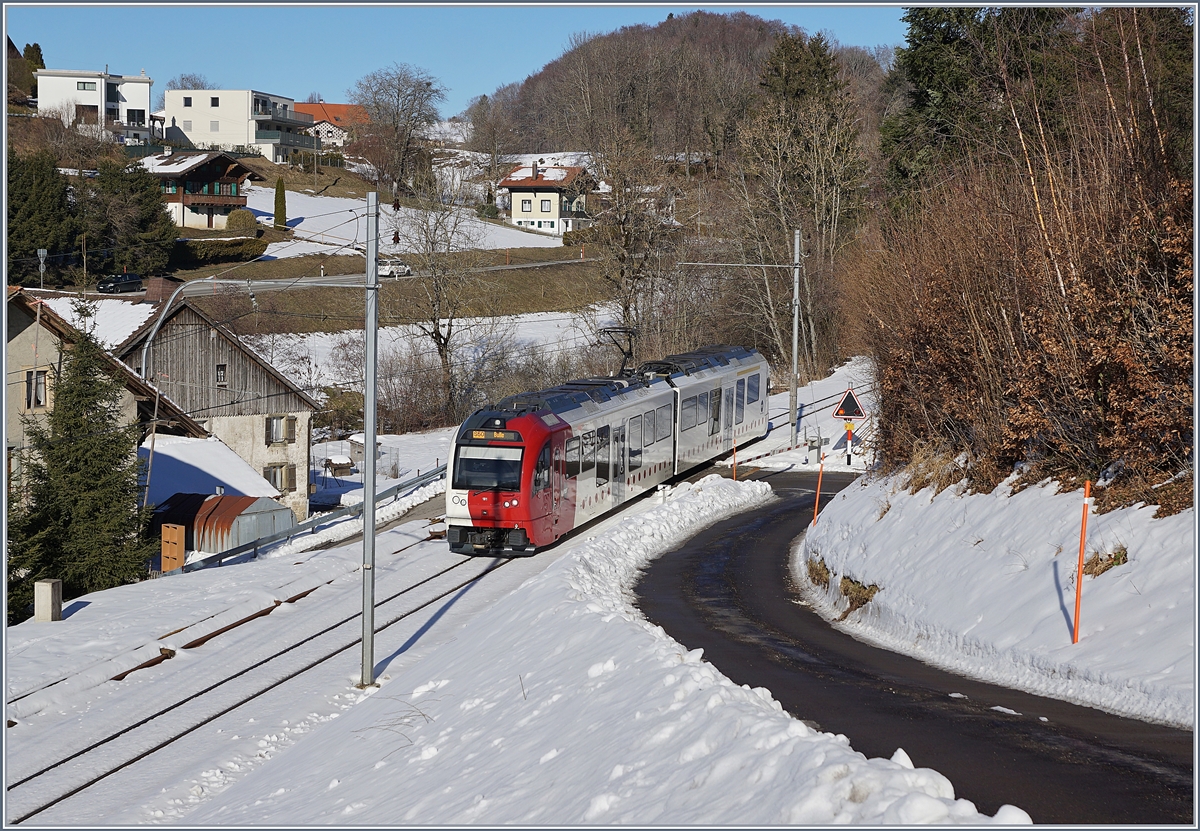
<point x="114" y="283"/>
<point x="394" y="268"/>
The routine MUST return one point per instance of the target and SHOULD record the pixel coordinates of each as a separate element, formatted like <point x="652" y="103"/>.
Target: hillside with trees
<point x="999" y="213"/>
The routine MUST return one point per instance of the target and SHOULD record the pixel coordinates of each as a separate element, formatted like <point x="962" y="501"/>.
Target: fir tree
<point x="124" y="204"/>
<point x="33" y="56"/>
<point x="39" y="215"/>
<point x="280" y="204"/>
<point x="80" y="520"/>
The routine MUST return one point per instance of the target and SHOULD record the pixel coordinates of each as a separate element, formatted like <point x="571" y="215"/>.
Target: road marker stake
<point x="1087" y="492"/>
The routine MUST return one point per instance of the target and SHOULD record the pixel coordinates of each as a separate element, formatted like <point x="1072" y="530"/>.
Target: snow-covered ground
<point x="338" y="225"/>
<point x="478" y="716"/>
<point x="479" y="713"/>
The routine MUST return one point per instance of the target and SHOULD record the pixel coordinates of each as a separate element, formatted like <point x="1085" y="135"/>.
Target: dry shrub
<point x="858" y="594"/>
<point x="818" y="572"/>
<point x="1096" y="565"/>
<point x="1034" y="306"/>
<point x="932" y="465"/>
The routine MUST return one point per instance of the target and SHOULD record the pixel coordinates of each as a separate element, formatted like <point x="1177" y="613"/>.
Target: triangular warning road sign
<point x="849" y="407"/>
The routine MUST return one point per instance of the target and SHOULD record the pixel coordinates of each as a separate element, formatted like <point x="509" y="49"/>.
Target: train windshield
<point x="484" y="468"/>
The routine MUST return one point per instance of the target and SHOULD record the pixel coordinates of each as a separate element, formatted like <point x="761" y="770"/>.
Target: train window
<point x="603" y="456"/>
<point x="662" y="423"/>
<point x="715" y="405"/>
<point x="739" y="407"/>
<point x="687" y="414"/>
<point x="572" y="457"/>
<point x="589" y="450"/>
<point x="752" y="389"/>
<point x="541" y="471"/>
<point x="648" y="429"/>
<point x="635" y="442"/>
<point x="702" y="408"/>
<point x="479" y="468"/>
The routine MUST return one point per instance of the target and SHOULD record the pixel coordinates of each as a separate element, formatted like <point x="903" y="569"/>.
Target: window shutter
<point x="291" y="430"/>
<point x="291" y="477"/>
<point x="268" y="433"/>
<point x="267" y="474"/>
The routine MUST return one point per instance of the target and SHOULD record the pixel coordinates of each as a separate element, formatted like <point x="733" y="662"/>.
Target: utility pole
<point x="792" y="394"/>
<point x="372" y="344"/>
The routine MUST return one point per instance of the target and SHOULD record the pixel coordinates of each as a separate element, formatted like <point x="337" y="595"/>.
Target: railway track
<point x="76" y="769"/>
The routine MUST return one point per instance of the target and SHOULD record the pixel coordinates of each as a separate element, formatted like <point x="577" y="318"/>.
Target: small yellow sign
<point x="849" y="426"/>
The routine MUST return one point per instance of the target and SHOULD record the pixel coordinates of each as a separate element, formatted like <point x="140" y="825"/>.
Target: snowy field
<point x="477" y="719"/>
<point x="338" y="225"/>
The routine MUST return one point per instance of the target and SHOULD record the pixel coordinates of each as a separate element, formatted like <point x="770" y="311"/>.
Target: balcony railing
<point x="277" y="114"/>
<point x="207" y="199"/>
<point x="286" y="139"/>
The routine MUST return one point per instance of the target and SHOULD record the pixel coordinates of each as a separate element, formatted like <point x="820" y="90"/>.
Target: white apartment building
<point x="118" y="104"/>
<point x="229" y="119"/>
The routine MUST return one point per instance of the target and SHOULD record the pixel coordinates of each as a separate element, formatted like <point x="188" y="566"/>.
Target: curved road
<point x="728" y="591"/>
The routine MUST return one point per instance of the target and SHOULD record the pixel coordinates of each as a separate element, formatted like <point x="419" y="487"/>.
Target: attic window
<point x="216" y="102"/>
<point x="221" y="381"/>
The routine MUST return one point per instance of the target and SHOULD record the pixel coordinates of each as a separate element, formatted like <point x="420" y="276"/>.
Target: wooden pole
<point x="820" y="473"/>
<point x="1087" y="492"/>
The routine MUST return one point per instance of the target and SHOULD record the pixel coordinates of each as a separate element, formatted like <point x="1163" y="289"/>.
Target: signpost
<point x="849" y="408"/>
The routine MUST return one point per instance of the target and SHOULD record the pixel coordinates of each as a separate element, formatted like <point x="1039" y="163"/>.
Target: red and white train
<point x="534" y="467"/>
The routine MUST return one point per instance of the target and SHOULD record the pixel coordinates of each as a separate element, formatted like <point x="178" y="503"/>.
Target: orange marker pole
<point x="1087" y="492"/>
<point x="820" y="473"/>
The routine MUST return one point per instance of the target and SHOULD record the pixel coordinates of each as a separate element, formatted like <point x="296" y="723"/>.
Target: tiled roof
<point x="339" y="114"/>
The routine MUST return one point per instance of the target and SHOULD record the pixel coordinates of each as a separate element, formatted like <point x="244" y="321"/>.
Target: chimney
<point x="535" y="171"/>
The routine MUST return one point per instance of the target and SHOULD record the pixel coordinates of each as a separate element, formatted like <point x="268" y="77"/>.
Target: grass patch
<point x="933" y="465"/>
<point x="550" y="288"/>
<point x="1096" y="565"/>
<point x="858" y="594"/>
<point x="818" y="573"/>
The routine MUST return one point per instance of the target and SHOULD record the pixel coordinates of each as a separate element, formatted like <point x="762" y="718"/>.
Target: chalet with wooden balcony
<point x="199" y="190"/>
<point x="548" y="198"/>
<point x="235" y="119"/>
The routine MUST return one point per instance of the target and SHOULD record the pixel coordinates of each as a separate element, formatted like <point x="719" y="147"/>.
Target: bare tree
<point x="186" y="80"/>
<point x="493" y="129"/>
<point x="444" y="252"/>
<point x="399" y="101"/>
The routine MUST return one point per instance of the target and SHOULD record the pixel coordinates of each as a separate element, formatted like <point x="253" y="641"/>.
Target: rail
<point x="393" y="493"/>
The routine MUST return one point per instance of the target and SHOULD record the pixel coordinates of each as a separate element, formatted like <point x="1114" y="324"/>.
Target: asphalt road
<point x="728" y="591"/>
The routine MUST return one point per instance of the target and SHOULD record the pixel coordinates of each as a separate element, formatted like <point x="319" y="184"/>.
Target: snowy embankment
<point x="984" y="585"/>
<point x="560" y="704"/>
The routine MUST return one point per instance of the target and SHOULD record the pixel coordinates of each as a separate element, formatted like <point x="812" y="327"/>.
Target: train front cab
<point x="507" y="484"/>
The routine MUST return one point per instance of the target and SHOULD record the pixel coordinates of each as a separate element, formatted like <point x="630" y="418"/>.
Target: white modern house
<point x="229" y="119"/>
<point x="118" y="104"/>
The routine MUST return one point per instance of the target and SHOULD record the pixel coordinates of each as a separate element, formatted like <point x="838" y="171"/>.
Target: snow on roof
<point x="176" y="162"/>
<point x="114" y="321"/>
<point x="184" y="465"/>
<point x="549" y="174"/>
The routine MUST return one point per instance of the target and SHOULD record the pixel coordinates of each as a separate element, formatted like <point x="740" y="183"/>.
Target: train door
<point x="618" y="475"/>
<point x="558" y="483"/>
<point x="727" y="425"/>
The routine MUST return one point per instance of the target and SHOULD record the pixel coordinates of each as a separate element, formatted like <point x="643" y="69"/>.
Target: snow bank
<point x="561" y="705"/>
<point x="984" y="585"/>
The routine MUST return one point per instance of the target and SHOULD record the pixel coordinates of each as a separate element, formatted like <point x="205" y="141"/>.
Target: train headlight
<point x="514" y="503"/>
<point x="507" y="503"/>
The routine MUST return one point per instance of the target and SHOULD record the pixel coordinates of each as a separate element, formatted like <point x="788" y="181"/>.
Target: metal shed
<point x="214" y="524"/>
